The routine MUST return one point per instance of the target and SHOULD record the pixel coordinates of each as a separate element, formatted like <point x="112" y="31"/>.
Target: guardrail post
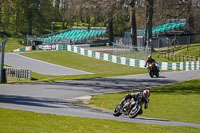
<point x="2" y="71"/>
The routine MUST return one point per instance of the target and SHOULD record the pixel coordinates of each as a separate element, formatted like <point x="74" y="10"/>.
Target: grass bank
<point x="100" y="68"/>
<point x="178" y="102"/>
<point x="12" y="44"/>
<point x="13" y="121"/>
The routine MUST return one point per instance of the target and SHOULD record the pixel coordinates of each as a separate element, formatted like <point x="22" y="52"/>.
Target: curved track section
<point x="38" y="66"/>
<point x="55" y="97"/>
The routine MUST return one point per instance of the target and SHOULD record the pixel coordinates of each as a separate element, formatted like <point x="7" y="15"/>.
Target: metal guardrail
<point x="18" y="73"/>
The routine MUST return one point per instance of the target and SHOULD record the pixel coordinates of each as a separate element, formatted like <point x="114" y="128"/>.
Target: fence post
<point x="168" y="56"/>
<point x="175" y="57"/>
<point x="172" y="57"/>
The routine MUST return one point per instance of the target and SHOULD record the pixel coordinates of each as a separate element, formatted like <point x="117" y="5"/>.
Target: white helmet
<point x="149" y="57"/>
<point x="146" y="93"/>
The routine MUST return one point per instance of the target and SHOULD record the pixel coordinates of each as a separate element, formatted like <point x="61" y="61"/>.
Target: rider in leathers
<point x="150" y="60"/>
<point x="139" y="95"/>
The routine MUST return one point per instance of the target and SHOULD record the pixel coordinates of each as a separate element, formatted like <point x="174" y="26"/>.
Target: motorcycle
<point x="153" y="69"/>
<point x="131" y="108"/>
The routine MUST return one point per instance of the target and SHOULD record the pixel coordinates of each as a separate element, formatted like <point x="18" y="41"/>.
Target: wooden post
<point x="172" y="56"/>
<point x="174" y="44"/>
<point x="168" y="56"/>
<point x="175" y="57"/>
<point x="183" y="58"/>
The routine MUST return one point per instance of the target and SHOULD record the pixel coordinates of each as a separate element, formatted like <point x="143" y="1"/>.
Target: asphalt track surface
<point x="56" y="97"/>
<point x="37" y="66"/>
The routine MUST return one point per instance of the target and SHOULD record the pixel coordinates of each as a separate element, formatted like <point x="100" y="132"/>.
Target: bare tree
<point x="133" y="22"/>
<point x="149" y="19"/>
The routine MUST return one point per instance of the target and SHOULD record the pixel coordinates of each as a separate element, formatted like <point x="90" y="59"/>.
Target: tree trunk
<point x="89" y="22"/>
<point x="149" y="18"/>
<point x="133" y="25"/>
<point x="110" y="31"/>
<point x="29" y="22"/>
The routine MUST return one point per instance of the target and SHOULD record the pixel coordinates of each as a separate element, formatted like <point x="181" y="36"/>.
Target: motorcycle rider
<point x="150" y="60"/>
<point x="138" y="95"/>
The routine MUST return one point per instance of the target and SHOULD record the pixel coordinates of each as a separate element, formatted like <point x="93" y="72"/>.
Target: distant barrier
<point x="189" y="65"/>
<point x="18" y="73"/>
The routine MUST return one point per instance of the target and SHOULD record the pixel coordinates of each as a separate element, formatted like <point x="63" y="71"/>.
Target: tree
<point x="6" y="14"/>
<point x="133" y="22"/>
<point x="149" y="19"/>
<point x="109" y="9"/>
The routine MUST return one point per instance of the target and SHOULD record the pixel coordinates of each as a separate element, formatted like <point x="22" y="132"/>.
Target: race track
<point x="57" y="97"/>
<point x="37" y="66"/>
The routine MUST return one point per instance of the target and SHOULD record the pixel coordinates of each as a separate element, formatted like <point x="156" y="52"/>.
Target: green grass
<point x="12" y="44"/>
<point x="98" y="67"/>
<point x="35" y="78"/>
<point x="13" y="121"/>
<point x="178" y="102"/>
<point x="161" y="59"/>
<point x="192" y="51"/>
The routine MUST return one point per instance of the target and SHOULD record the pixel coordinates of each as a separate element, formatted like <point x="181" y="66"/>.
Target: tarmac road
<point x="41" y="67"/>
<point x="55" y="97"/>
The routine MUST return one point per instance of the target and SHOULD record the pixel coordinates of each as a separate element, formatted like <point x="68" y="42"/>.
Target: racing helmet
<point x="146" y="93"/>
<point x="149" y="57"/>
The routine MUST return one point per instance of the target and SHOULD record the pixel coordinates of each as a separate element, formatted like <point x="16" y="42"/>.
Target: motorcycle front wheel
<point x="135" y="111"/>
<point x="157" y="74"/>
<point x="151" y="74"/>
<point x="117" y="111"/>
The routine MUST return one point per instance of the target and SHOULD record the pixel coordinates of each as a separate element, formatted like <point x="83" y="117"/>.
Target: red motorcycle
<point x="153" y="69"/>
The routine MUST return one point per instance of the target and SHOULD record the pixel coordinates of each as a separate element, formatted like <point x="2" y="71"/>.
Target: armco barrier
<point x="18" y="73"/>
<point x="189" y="65"/>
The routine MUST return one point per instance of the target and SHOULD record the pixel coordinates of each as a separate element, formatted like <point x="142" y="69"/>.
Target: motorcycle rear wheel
<point x="134" y="111"/>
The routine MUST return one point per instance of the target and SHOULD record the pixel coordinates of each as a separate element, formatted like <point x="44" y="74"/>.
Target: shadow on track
<point x="103" y="85"/>
<point x="30" y="101"/>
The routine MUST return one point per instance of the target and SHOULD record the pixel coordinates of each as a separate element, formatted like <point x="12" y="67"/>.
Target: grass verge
<point x="14" y="121"/>
<point x="192" y="51"/>
<point x="178" y="102"/>
<point x="13" y="43"/>
<point x="98" y="67"/>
